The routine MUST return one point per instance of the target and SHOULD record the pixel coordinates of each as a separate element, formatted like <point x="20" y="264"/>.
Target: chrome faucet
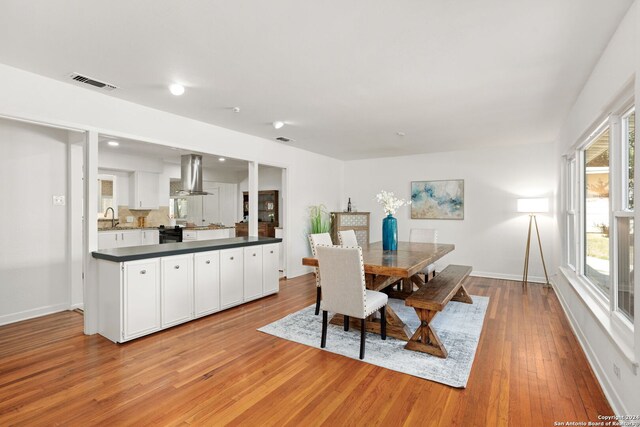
<point x="113" y="216"/>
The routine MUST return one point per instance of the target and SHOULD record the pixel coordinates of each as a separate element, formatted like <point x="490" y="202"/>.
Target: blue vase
<point x="390" y="233"/>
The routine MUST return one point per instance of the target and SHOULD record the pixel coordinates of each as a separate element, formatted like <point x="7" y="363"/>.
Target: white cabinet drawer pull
<point x="143" y="271"/>
<point x="208" y="262"/>
<point x="177" y="267"/>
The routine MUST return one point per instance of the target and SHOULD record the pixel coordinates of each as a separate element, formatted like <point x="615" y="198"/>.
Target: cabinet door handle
<point x="116" y="237"/>
<point x="177" y="267"/>
<point x="207" y="262"/>
<point x="143" y="271"/>
<point x="140" y="203"/>
<point x="271" y="252"/>
<point x="231" y="258"/>
<point x="122" y="236"/>
<point x="254" y="254"/>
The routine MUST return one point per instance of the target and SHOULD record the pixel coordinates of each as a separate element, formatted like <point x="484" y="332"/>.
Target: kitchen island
<point x="144" y="289"/>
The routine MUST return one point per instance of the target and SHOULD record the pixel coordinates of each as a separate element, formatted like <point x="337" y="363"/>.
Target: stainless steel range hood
<point x="191" y="175"/>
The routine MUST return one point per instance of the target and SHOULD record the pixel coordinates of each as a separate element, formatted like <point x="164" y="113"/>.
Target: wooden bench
<point x="431" y="298"/>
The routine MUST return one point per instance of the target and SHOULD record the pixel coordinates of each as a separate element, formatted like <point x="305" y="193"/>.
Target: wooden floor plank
<point x="529" y="370"/>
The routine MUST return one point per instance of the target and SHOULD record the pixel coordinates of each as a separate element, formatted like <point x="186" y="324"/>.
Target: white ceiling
<point x="344" y="75"/>
<point x="168" y="154"/>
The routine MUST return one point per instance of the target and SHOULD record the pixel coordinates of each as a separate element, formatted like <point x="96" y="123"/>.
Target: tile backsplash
<point x="142" y="218"/>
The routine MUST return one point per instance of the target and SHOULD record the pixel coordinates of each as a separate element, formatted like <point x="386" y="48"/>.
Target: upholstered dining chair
<point x="347" y="238"/>
<point x="314" y="240"/>
<point x="425" y="235"/>
<point x="344" y="290"/>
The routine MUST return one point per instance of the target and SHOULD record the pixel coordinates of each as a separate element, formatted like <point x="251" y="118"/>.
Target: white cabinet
<point x="143" y="191"/>
<point x="108" y="239"/>
<point x="206" y="282"/>
<point x="193" y="235"/>
<point x="231" y="277"/>
<point x="141" y="298"/>
<point x="150" y="237"/>
<point x="270" y="273"/>
<point x="119" y="239"/>
<point x="126" y="238"/>
<point x="177" y="289"/>
<point x="252" y="272"/>
<point x="129" y="238"/>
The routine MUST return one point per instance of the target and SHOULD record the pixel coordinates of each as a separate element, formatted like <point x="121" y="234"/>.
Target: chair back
<point x="423" y="235"/>
<point x="315" y="240"/>
<point x="319" y="239"/>
<point x="347" y="238"/>
<point x="343" y="283"/>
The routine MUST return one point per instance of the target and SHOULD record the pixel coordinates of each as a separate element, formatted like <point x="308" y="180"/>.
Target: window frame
<point x="604" y="299"/>
<point x="618" y="207"/>
<point x="621" y="208"/>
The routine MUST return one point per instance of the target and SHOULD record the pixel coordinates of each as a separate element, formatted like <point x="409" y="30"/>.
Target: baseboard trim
<point x="79" y="305"/>
<point x="514" y="277"/>
<point x="30" y="314"/>
<point x="607" y="387"/>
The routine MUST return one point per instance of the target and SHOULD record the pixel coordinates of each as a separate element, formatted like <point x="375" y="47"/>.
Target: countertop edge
<point x="193" y="247"/>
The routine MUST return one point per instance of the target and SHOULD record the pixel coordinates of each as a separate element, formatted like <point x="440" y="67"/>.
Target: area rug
<point x="458" y="326"/>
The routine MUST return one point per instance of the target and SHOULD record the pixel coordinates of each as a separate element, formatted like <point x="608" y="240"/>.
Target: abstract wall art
<point x="437" y="199"/>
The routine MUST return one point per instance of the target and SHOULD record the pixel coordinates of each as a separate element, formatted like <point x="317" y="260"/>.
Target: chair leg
<point x="363" y="332"/>
<point x="383" y="322"/>
<point x="323" y="341"/>
<point x="346" y="323"/>
<point x="318" y="295"/>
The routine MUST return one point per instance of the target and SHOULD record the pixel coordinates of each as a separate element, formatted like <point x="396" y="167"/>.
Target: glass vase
<point x="390" y="233"/>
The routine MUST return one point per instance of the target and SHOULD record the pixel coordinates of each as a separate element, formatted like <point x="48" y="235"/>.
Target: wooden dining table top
<point x="409" y="259"/>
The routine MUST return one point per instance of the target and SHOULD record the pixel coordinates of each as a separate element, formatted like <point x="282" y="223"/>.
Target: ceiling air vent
<point x="284" y="139"/>
<point x="93" y="82"/>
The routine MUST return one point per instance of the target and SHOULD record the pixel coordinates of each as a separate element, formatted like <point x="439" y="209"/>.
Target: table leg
<point x="407" y="287"/>
<point x="425" y="338"/>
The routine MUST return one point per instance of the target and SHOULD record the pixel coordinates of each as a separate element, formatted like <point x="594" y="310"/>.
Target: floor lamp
<point x="532" y="207"/>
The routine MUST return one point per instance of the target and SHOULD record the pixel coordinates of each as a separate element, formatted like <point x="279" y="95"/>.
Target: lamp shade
<point x="536" y="205"/>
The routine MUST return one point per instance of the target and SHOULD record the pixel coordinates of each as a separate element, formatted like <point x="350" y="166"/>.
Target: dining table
<point x="384" y="268"/>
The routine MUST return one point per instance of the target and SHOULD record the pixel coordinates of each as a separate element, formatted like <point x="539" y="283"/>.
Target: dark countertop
<point x="167" y="249"/>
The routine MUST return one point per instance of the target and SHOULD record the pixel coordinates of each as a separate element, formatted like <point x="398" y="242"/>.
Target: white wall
<point x="34" y="266"/>
<point x="492" y="236"/>
<point x="602" y="343"/>
<point x="313" y="178"/>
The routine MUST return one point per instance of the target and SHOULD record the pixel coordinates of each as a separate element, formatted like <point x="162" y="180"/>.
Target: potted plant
<point x="320" y="219"/>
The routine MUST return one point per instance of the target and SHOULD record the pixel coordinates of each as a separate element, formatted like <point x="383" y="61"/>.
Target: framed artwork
<point x="437" y="199"/>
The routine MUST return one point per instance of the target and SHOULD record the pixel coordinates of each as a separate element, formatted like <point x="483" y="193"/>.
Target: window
<point x="600" y="224"/>
<point x="596" y="211"/>
<point x="571" y="213"/>
<point x="624" y="219"/>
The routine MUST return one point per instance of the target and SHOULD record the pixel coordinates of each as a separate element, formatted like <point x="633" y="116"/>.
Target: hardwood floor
<point x="529" y="370"/>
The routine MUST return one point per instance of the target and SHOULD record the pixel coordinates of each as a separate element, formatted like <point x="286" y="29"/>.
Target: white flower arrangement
<point x="390" y="203"/>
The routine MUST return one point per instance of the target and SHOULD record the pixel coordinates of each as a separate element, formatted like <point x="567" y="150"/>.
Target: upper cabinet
<point x="143" y="190"/>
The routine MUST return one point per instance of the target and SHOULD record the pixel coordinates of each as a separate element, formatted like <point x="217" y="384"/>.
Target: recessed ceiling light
<point x="400" y="133"/>
<point x="221" y="159"/>
<point x="113" y="143"/>
<point x="176" y="89"/>
<point x="278" y="124"/>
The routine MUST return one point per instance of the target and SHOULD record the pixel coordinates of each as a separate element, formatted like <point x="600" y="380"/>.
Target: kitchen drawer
<point x="189" y="235"/>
